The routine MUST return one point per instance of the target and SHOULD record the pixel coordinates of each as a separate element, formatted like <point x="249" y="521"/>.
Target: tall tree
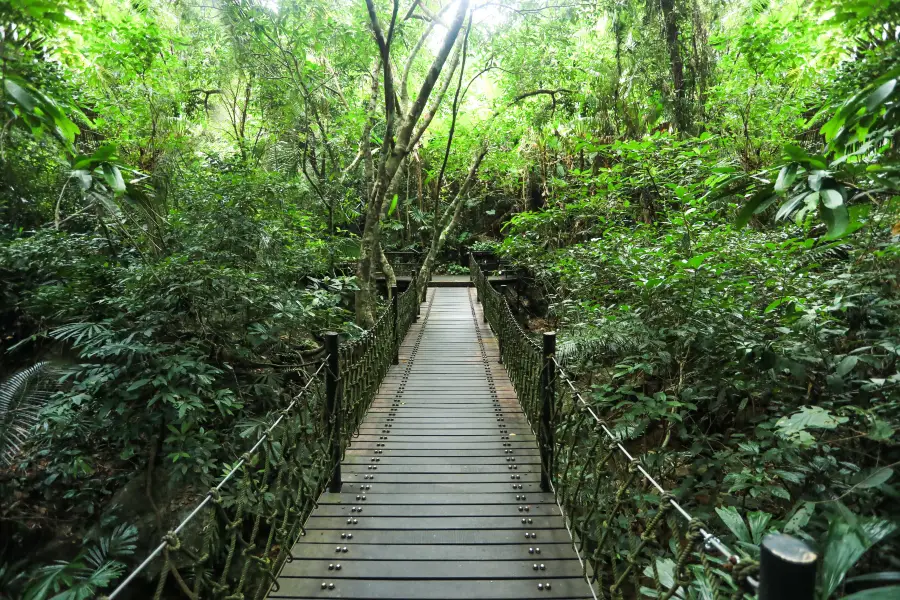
<point x="404" y="126"/>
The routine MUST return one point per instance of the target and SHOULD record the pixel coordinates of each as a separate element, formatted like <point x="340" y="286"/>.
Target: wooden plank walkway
<point x="441" y="490"/>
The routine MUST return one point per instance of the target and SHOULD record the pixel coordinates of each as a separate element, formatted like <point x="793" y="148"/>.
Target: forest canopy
<point x="702" y="197"/>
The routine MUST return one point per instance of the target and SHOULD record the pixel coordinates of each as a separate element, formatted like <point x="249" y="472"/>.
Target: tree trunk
<point x="388" y="270"/>
<point x="448" y="223"/>
<point x="670" y="18"/>
<point x="399" y="140"/>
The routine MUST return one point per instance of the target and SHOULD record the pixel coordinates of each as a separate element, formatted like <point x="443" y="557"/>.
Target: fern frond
<point x="610" y="340"/>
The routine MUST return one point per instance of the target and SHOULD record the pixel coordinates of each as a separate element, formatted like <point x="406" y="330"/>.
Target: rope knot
<point x="694" y="530"/>
<point x="742" y="571"/>
<point x="217" y="587"/>
<point x="172" y="541"/>
<point x="215" y="495"/>
<point x="633" y="465"/>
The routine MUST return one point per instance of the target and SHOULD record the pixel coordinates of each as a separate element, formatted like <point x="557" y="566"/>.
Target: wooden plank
<point x="450" y="488"/>
<point x="522" y="458"/>
<point x="412" y="443"/>
<point x="446" y="480"/>
<point x="438" y="510"/>
<point x="434" y="589"/>
<point x="436" y="536"/>
<point x="416" y="552"/>
<point x="418" y="451"/>
<point x="367" y="522"/>
<point x="438" y="471"/>
<point x="538" y="570"/>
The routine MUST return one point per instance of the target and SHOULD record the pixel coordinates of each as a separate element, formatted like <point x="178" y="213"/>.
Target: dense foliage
<point x="704" y="197"/>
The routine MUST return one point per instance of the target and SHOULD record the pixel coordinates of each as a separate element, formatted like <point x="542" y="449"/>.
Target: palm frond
<point x="22" y="396"/>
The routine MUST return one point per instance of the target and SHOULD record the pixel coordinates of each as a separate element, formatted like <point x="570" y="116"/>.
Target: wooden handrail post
<point x="395" y="309"/>
<point x="548" y="393"/>
<point x="333" y="406"/>
<point x="787" y="568"/>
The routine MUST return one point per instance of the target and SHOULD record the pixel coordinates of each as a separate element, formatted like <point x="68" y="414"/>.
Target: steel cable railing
<point x="633" y="537"/>
<point x="234" y="541"/>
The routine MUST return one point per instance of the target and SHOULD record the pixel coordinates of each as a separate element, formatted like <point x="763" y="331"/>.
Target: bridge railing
<point x="633" y="537"/>
<point x="404" y="263"/>
<point x="235" y="539"/>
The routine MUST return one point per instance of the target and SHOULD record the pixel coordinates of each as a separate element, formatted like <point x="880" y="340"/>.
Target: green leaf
<point x="878" y="578"/>
<point x="113" y="177"/>
<point x="846" y="365"/>
<point x="696" y="261"/>
<point x="815" y="180"/>
<point x="138" y="384"/>
<point x="877" y="98"/>
<point x="786" y="177"/>
<point x="790" y="206"/>
<point x="758" y="203"/>
<point x="104" y="153"/>
<point x="880" y="431"/>
<point x="393" y="205"/>
<point x="779" y="492"/>
<point x="808" y="417"/>
<point x="848" y="539"/>
<point x="735" y="523"/>
<point x="891" y="592"/>
<point x="774" y="304"/>
<point x="800" y="518"/>
<point x="875" y="478"/>
<point x="796" y="153"/>
<point x="831" y="197"/>
<point x="837" y="219"/>
<point x="20" y="95"/>
<point x="758" y="521"/>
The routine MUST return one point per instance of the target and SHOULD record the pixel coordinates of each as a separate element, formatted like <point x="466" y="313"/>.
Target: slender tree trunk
<point x="388" y="270"/>
<point x="448" y="223"/>
<point x="670" y="18"/>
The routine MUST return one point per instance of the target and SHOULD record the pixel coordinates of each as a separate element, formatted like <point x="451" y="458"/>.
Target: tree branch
<point x="409" y="13"/>
<point x="455" y="112"/>
<point x="431" y="78"/>
<point x="551" y="93"/>
<point x="404" y="91"/>
<point x="437" y="100"/>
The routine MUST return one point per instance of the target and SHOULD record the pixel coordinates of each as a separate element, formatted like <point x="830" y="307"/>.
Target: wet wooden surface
<point x="441" y="496"/>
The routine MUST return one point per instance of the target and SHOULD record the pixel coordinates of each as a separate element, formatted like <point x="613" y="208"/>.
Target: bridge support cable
<point x="237" y="537"/>
<point x="632" y="535"/>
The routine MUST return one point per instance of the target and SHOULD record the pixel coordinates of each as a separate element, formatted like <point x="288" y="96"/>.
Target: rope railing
<point x="633" y="537"/>
<point x="233" y="543"/>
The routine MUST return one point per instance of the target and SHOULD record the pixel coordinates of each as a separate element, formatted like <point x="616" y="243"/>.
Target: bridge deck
<point x="441" y="490"/>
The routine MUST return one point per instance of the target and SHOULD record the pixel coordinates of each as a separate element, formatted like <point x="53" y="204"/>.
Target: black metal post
<point x="472" y="267"/>
<point x="333" y="406"/>
<point x="394" y="307"/>
<point x="548" y="393"/>
<point x="415" y="291"/>
<point x="787" y="568"/>
<point x="424" y="290"/>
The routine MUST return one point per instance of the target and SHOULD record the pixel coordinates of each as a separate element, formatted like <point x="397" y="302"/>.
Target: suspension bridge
<point x="446" y="454"/>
